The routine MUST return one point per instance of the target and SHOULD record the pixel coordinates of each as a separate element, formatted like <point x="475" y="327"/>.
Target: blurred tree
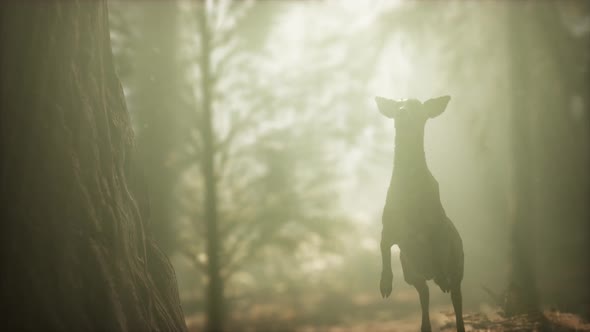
<point x="547" y="68"/>
<point x="559" y="103"/>
<point x="75" y="252"/>
<point x="208" y="140"/>
<point x="521" y="294"/>
<point x="265" y="150"/>
<point x="146" y="46"/>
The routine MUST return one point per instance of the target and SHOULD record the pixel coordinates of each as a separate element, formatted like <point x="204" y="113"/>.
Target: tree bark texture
<point x="76" y="255"/>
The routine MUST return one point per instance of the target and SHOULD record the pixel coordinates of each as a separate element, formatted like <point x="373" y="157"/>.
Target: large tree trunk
<point x="560" y="156"/>
<point x="75" y="251"/>
<point x="550" y="162"/>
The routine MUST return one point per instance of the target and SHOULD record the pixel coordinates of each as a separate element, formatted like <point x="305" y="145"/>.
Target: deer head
<point x="412" y="111"/>
<point x="410" y="116"/>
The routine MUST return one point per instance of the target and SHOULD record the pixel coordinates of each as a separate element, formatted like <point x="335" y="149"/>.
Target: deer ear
<point x="435" y="106"/>
<point x="388" y="107"/>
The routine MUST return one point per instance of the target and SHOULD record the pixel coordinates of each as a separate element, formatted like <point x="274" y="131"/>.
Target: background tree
<point x="265" y="182"/>
<point x="522" y="293"/>
<point x="75" y="250"/>
<point x="558" y="104"/>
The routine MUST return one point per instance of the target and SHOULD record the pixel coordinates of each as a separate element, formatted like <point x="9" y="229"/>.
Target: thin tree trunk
<point x="76" y="256"/>
<point x="215" y="282"/>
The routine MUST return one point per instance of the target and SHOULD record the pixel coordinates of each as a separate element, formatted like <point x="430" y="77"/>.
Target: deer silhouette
<point x="413" y="217"/>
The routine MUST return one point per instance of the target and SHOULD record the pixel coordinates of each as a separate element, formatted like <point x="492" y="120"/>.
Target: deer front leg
<point x="386" y="274"/>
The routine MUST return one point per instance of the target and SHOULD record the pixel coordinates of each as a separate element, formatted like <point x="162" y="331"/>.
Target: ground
<point x="367" y="312"/>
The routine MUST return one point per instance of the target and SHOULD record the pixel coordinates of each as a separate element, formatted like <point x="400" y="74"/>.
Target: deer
<point x="413" y="217"/>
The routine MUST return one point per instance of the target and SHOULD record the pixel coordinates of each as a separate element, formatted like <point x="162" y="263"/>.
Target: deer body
<point x="413" y="217"/>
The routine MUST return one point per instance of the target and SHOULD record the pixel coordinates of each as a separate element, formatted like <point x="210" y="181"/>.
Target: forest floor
<point x="551" y="321"/>
<point x="547" y="321"/>
<point x="442" y="321"/>
<point x="339" y="312"/>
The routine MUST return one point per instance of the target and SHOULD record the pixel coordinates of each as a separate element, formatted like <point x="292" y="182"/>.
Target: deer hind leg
<point x="458" y="263"/>
<point x="424" y="295"/>
<point x="419" y="282"/>
<point x="457" y="299"/>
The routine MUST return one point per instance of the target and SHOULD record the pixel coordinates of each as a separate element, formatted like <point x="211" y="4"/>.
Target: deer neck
<point x="409" y="156"/>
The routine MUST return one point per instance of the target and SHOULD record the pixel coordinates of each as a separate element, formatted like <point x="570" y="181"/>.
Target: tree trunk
<point x="215" y="282"/>
<point x="75" y="251"/>
<point x="561" y="185"/>
<point x="521" y="294"/>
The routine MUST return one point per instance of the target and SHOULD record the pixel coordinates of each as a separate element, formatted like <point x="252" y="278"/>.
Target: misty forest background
<point x="268" y="107"/>
<point x="260" y="164"/>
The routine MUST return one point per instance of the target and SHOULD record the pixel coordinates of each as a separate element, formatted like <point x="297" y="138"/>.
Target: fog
<point x="279" y="97"/>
